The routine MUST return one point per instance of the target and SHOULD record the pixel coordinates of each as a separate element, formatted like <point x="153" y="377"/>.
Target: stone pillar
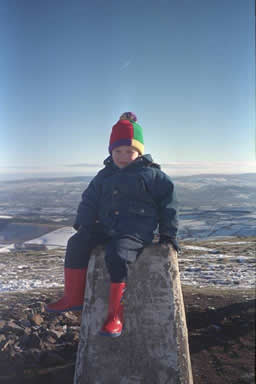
<point x="153" y="348"/>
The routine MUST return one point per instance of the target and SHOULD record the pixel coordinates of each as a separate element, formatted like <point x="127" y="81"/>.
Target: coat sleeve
<point x="88" y="208"/>
<point x="165" y="198"/>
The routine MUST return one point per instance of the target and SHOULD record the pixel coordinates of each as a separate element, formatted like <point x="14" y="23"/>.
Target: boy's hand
<point x="164" y="239"/>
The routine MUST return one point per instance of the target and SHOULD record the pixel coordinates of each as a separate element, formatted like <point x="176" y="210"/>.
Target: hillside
<point x="39" y="348"/>
<point x="220" y="263"/>
<point x="210" y="206"/>
<point x="217" y="266"/>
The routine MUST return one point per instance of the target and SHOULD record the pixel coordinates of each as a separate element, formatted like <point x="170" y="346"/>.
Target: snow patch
<point x="55" y="239"/>
<point x="196" y="248"/>
<point x="232" y="242"/>
<point x="26" y="284"/>
<point x="8" y="248"/>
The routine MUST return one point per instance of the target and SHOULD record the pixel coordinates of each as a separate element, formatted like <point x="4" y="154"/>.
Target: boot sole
<point x="112" y="335"/>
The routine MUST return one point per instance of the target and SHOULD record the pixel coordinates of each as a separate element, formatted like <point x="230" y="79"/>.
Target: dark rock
<point x="14" y="327"/>
<point x="214" y="328"/>
<point x="71" y="316"/>
<point x="2" y="344"/>
<point x="58" y="333"/>
<point x="25" y="341"/>
<point x="28" y="331"/>
<point x="67" y="337"/>
<point x="37" y="319"/>
<point x="50" y="339"/>
<point x="6" y="344"/>
<point x="25" y="323"/>
<point x="2" y="338"/>
<point x="2" y="324"/>
<point x="31" y="341"/>
<point x="50" y="358"/>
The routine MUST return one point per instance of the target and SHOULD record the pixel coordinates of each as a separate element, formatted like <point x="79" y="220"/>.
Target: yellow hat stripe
<point x="139" y="146"/>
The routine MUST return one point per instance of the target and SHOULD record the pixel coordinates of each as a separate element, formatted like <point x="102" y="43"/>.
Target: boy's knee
<point x="123" y="250"/>
<point x="74" y="242"/>
<point x="113" y="258"/>
<point x="129" y="248"/>
<point x="78" y="251"/>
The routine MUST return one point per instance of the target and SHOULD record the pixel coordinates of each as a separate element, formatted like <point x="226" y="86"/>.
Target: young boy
<point x="121" y="208"/>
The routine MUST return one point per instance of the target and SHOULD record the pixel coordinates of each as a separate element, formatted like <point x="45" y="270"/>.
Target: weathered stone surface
<point x="153" y="347"/>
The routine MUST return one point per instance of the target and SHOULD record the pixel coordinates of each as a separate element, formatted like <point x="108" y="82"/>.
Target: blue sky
<point x="70" y="68"/>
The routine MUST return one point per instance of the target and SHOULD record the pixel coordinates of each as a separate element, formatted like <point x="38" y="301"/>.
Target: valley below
<point x="217" y="236"/>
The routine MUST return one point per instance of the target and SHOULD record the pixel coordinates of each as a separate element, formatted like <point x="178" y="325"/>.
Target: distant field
<point x="19" y="232"/>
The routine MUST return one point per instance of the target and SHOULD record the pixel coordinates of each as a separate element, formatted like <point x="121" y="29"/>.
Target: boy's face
<point x="124" y="155"/>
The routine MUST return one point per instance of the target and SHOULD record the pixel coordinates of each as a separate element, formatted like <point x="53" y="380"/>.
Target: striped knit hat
<point x="127" y="132"/>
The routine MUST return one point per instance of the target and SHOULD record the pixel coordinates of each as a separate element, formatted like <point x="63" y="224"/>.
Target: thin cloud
<point x="198" y="167"/>
<point x="22" y="167"/>
<point x="82" y="165"/>
<point x="184" y="168"/>
<point x="125" y="65"/>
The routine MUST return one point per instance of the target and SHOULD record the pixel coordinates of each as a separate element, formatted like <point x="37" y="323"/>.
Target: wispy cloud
<point x="125" y="65"/>
<point x="81" y="165"/>
<point x="45" y="167"/>
<point x="23" y="167"/>
<point x="187" y="168"/>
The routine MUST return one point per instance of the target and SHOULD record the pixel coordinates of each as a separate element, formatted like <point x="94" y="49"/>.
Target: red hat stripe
<point x="126" y="132"/>
<point x="122" y="131"/>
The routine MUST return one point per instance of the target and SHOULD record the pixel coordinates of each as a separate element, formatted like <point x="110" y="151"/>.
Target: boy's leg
<point x="119" y="253"/>
<point x="78" y="253"/>
<point x="79" y="248"/>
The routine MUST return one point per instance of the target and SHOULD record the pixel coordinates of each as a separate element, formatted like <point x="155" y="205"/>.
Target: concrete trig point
<point x="153" y="348"/>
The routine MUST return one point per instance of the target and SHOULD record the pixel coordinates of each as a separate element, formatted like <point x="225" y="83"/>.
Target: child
<point x="121" y="208"/>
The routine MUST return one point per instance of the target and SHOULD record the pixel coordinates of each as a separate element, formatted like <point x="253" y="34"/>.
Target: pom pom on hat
<point x="128" y="116"/>
<point x="127" y="132"/>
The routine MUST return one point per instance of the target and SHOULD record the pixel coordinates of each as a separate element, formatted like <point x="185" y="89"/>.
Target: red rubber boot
<point x="114" y="323"/>
<point x="75" y="281"/>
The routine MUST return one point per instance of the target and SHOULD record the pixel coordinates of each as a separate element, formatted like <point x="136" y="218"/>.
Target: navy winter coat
<point x="130" y="201"/>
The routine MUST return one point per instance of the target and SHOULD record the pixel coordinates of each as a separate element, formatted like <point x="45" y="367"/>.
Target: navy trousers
<point x="120" y="250"/>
